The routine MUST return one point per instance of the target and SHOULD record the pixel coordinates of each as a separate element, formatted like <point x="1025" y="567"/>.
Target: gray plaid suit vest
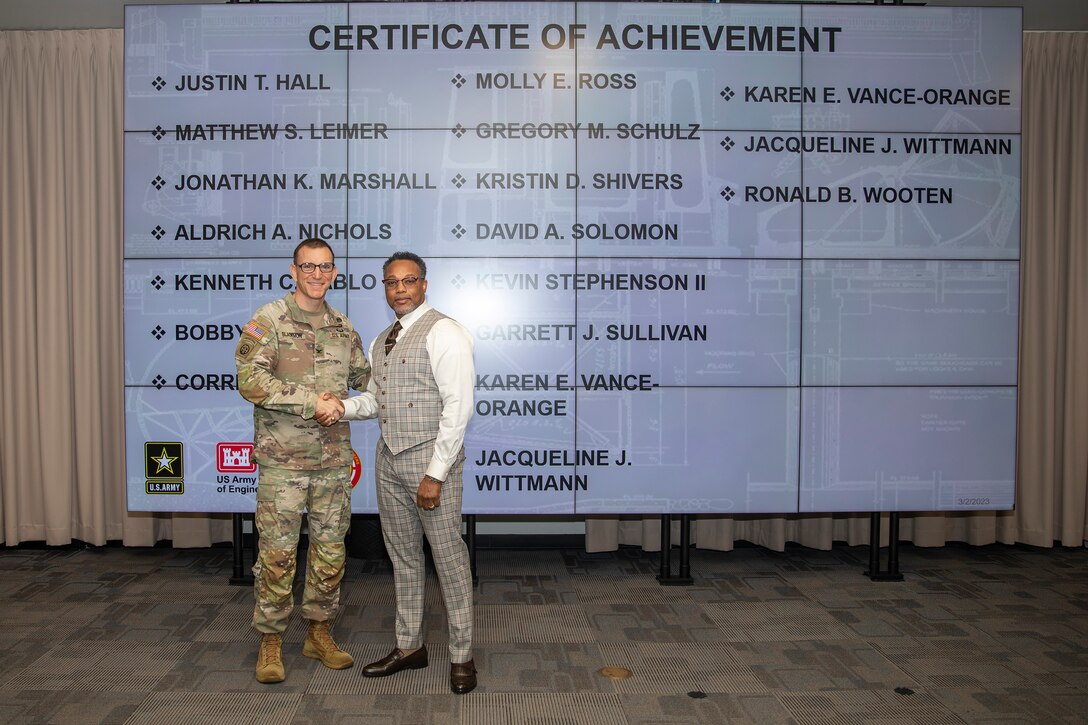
<point x="409" y="404"/>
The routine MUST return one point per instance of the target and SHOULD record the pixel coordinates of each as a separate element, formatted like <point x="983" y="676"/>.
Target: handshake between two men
<point x="329" y="409"/>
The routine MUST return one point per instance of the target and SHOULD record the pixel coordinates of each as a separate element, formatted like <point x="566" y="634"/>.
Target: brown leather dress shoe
<point x="462" y="677"/>
<point x="396" y="661"/>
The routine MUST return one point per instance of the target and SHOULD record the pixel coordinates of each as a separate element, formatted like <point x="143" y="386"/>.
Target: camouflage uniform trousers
<point x="282" y="495"/>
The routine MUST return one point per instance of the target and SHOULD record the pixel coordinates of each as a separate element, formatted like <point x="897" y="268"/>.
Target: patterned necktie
<point x="391" y="339"/>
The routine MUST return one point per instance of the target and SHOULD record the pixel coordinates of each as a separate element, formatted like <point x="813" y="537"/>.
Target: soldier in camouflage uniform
<point x="293" y="351"/>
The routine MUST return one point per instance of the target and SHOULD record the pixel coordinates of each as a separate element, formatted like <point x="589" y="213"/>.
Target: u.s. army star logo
<point x="163" y="459"/>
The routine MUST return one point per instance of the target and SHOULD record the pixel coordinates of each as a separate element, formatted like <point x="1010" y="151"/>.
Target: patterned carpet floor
<point x="992" y="634"/>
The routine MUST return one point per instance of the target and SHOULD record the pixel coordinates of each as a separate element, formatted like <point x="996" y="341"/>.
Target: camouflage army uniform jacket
<point x="283" y="365"/>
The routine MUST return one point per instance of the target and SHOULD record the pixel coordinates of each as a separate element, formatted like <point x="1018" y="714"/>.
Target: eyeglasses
<point x="408" y="282"/>
<point x="309" y="267"/>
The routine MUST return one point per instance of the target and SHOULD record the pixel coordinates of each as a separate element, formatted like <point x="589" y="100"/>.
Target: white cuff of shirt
<point x="360" y="407"/>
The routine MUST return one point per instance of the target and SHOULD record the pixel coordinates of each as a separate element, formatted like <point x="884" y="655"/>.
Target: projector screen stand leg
<point x="873" y="572"/>
<point x="241" y="577"/>
<point x="665" y="577"/>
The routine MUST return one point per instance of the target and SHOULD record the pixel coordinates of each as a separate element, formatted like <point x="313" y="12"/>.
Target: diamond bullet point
<point x="727" y="143"/>
<point x="459" y="181"/>
<point x="458" y="131"/>
<point x="458" y="281"/>
<point x="459" y="231"/>
<point x="727" y="193"/>
<point x="158" y="132"/>
<point x="727" y="93"/>
<point x="157" y="282"/>
<point x="158" y="381"/>
<point x="458" y="80"/>
<point x="158" y="332"/>
<point x="159" y="83"/>
<point x="158" y="182"/>
<point x="158" y="232"/>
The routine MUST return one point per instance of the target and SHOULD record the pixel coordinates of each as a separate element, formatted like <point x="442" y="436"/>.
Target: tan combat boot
<point x="270" y="659"/>
<point x="320" y="646"/>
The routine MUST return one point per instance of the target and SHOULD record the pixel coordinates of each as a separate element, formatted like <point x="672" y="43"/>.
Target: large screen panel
<point x="910" y="323"/>
<point x="692" y="195"/>
<point x="907" y="449"/>
<point x="688" y="323"/>
<point x="445" y="194"/>
<point x="214" y="72"/>
<point x="190" y="449"/>
<point x="521" y="454"/>
<point x="915" y="69"/>
<point x="221" y="198"/>
<point x="721" y="66"/>
<point x="484" y="66"/>
<point x="520" y="442"/>
<point x="659" y="452"/>
<point x="695" y="244"/>
<point x="190" y="314"/>
<point x="913" y="196"/>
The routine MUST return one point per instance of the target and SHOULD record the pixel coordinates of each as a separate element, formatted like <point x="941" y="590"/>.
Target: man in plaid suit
<point x="421" y="392"/>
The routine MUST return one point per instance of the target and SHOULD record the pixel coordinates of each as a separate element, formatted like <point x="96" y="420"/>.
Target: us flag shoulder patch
<point x="254" y="330"/>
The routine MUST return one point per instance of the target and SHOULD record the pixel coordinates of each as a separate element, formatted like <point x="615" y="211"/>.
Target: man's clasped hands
<point x="329" y="409"/>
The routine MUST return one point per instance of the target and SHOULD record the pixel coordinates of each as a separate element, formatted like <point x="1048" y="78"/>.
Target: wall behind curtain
<point x="62" y="469"/>
<point x="62" y="464"/>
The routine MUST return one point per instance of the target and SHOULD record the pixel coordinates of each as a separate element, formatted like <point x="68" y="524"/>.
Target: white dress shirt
<point x="449" y="346"/>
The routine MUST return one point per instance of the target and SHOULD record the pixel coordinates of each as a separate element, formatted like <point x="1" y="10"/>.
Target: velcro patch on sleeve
<point x="255" y="331"/>
<point x="246" y="349"/>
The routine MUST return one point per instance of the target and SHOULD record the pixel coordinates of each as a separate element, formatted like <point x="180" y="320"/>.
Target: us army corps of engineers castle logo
<point x="232" y="458"/>
<point x="164" y="467"/>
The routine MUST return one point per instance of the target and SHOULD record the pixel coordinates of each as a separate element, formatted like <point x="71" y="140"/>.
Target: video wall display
<point x="715" y="258"/>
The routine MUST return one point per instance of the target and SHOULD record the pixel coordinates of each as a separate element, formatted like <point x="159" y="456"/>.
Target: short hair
<point x="312" y="243"/>
<point x="407" y="257"/>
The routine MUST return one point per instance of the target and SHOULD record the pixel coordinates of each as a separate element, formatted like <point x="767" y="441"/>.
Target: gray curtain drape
<point x="62" y="469"/>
